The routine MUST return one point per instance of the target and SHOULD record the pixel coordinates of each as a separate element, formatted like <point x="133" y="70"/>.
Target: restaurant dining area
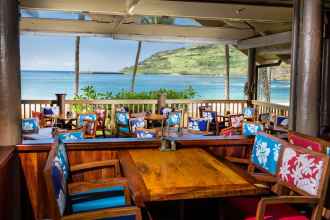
<point x="171" y="159"/>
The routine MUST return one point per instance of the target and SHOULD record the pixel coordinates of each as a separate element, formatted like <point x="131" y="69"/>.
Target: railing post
<point x="161" y="101"/>
<point x="61" y="103"/>
<point x="113" y="118"/>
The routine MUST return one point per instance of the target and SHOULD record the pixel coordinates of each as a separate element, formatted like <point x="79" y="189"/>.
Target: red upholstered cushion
<point x="305" y="142"/>
<point x="248" y="209"/>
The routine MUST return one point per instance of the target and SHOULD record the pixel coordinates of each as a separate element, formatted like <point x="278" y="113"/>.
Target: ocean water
<point x="45" y="84"/>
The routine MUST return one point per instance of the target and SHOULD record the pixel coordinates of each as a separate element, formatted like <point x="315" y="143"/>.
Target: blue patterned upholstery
<point x="136" y="123"/>
<point x="145" y="134"/>
<point x="165" y="111"/>
<point x="122" y="118"/>
<point x="174" y="119"/>
<point x="88" y="116"/>
<point x="211" y="116"/>
<point x="265" y="152"/>
<point x="282" y="121"/>
<point x="30" y="125"/>
<point x="199" y="124"/>
<point x="251" y="129"/>
<point x="248" y="112"/>
<point x="100" y="198"/>
<point x="71" y="136"/>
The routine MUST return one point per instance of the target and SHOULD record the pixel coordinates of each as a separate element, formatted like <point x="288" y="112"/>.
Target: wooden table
<point x="183" y="174"/>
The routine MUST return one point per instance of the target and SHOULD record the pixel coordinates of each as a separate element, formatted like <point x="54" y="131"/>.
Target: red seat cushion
<point x="248" y="208"/>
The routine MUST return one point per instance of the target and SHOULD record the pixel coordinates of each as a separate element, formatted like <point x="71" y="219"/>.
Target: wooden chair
<point x="43" y="121"/>
<point x="174" y="120"/>
<point x="101" y="116"/>
<point x="122" y="124"/>
<point x="306" y="141"/>
<point x="301" y="178"/>
<point x="235" y="124"/>
<point x="213" y="121"/>
<point x="198" y="125"/>
<point x="81" y="118"/>
<point x="107" y="199"/>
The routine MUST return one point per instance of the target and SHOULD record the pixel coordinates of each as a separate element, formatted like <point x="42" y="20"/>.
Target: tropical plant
<point x="147" y="20"/>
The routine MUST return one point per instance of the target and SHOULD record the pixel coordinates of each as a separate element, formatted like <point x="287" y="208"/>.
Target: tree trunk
<point x="77" y="71"/>
<point x="227" y="67"/>
<point x="137" y="58"/>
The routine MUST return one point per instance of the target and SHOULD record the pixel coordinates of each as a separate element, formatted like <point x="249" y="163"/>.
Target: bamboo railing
<point x="190" y="107"/>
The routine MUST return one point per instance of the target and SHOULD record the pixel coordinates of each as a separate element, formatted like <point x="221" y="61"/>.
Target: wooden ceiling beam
<point x="264" y="41"/>
<point x="197" y="10"/>
<point x="161" y="32"/>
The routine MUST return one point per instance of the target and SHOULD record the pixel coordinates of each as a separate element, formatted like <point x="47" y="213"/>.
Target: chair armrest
<point x="238" y="160"/>
<point x="97" y="165"/>
<point x="280" y="200"/>
<point x="106" y="213"/>
<point x="262" y="177"/>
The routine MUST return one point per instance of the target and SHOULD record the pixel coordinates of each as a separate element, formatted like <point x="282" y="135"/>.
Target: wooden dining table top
<point x="183" y="174"/>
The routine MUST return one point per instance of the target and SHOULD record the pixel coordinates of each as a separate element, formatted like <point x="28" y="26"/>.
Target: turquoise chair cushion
<point x="71" y="136"/>
<point x="145" y="134"/>
<point x="122" y="118"/>
<point x="30" y="125"/>
<point x="102" y="198"/>
<point x="265" y="152"/>
<point x="123" y="129"/>
<point x="136" y="123"/>
<point x="199" y="124"/>
<point x="174" y="119"/>
<point x="248" y="112"/>
<point x="82" y="117"/>
<point x="251" y="129"/>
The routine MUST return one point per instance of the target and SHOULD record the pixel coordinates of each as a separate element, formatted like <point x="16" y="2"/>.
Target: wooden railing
<point x="190" y="107"/>
<point x="266" y="107"/>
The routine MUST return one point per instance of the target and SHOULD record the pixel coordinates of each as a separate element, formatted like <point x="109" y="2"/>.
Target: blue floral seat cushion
<point x="30" y="125"/>
<point x="82" y="117"/>
<point x="251" y="129"/>
<point x="122" y="118"/>
<point x="248" y="112"/>
<point x="199" y="124"/>
<point x="282" y="121"/>
<point x="100" y="198"/>
<point x="145" y="134"/>
<point x="71" y="136"/>
<point x="136" y="123"/>
<point x="265" y="152"/>
<point x="211" y="116"/>
<point x="174" y="119"/>
<point x="59" y="184"/>
<point x="165" y="111"/>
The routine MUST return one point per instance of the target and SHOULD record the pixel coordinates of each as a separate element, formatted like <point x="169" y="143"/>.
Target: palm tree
<point x="147" y="20"/>
<point x="77" y="62"/>
<point x="227" y="69"/>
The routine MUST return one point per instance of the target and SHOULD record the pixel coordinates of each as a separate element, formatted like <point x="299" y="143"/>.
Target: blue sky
<point x="45" y="52"/>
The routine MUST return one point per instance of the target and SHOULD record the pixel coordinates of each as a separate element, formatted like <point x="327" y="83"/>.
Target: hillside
<point x="206" y="59"/>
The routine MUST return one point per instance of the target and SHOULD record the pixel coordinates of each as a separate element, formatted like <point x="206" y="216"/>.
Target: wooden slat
<point x="269" y="40"/>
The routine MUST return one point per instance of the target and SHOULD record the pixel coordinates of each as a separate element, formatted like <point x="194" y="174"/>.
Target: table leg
<point x="181" y="209"/>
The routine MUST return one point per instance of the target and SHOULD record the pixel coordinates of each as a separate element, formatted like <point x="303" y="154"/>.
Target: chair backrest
<point x="309" y="142"/>
<point x="101" y="116"/>
<point x="230" y="131"/>
<point x="204" y="108"/>
<point x="281" y="121"/>
<point x="210" y="115"/>
<point x="68" y="135"/>
<point x="56" y="174"/>
<point x="304" y="171"/>
<point x="165" y="111"/>
<point x="174" y="118"/>
<point x="136" y="123"/>
<point x="30" y="125"/>
<point x="251" y="128"/>
<point x="236" y="121"/>
<point x="249" y="112"/>
<point x="265" y="152"/>
<point x="50" y="111"/>
<point x="264" y="117"/>
<point x="198" y="124"/>
<point x="89" y="128"/>
<point x="86" y="116"/>
<point x="122" y="118"/>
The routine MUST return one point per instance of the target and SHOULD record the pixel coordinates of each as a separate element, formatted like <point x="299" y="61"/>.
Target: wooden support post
<point x="61" y="104"/>
<point x="227" y="68"/>
<point x="294" y="63"/>
<point x="309" y="78"/>
<point x="10" y="84"/>
<point x="161" y="102"/>
<point x="251" y="74"/>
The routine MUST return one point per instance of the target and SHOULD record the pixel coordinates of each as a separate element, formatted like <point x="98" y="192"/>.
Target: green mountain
<point x="205" y="59"/>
